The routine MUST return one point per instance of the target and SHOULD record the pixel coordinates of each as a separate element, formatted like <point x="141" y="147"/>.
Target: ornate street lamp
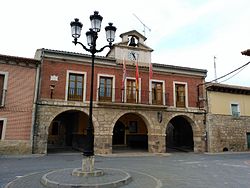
<point x="92" y="36"/>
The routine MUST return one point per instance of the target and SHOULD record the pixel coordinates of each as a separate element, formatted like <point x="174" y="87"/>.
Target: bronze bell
<point x="132" y="42"/>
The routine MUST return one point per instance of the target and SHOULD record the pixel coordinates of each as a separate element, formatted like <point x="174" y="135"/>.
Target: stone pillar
<point x="40" y="140"/>
<point x="156" y="143"/>
<point x="41" y="130"/>
<point x="103" y="143"/>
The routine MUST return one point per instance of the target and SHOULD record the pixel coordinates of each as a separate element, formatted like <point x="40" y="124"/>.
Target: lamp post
<point x="92" y="36"/>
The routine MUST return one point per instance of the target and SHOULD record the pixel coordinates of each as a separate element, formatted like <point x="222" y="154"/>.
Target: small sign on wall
<point x="53" y="78"/>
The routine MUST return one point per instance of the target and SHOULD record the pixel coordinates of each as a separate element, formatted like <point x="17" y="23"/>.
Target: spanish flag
<point x="124" y="71"/>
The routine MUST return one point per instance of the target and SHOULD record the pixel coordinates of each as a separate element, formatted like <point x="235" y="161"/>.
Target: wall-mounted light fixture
<point x="159" y="117"/>
<point x="52" y="87"/>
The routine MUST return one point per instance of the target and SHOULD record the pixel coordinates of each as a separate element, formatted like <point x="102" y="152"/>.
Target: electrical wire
<point x="233" y="75"/>
<point x="229" y="73"/>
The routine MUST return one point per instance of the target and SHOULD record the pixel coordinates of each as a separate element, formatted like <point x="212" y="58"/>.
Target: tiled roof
<point x="18" y="59"/>
<point x="163" y="67"/>
<point x="228" y="88"/>
<point x="69" y="53"/>
<point x="178" y="67"/>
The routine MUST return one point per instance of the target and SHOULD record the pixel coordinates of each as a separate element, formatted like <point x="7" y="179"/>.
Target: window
<point x="131" y="91"/>
<point x="75" y="87"/>
<point x="157" y="92"/>
<point x="248" y="140"/>
<point x="1" y="129"/>
<point x="105" y="88"/>
<point x="235" y="110"/>
<point x="133" y="127"/>
<point x="180" y="95"/>
<point x="3" y="87"/>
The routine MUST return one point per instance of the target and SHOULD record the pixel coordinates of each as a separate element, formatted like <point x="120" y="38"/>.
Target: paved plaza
<point x="181" y="170"/>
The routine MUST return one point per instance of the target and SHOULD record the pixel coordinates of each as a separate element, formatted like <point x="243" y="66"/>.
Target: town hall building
<point x="158" y="109"/>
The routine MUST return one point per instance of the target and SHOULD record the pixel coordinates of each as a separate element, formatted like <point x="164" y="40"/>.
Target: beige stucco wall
<point x="220" y="103"/>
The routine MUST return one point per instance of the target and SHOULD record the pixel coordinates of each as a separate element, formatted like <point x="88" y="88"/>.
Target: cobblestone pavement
<point x="189" y="170"/>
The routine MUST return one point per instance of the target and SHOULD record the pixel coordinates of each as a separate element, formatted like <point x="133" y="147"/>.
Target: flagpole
<point x="149" y="82"/>
<point x="123" y="79"/>
<point x="137" y="82"/>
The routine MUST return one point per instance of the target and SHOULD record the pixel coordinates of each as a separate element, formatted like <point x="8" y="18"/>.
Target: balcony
<point x="75" y="94"/>
<point x="117" y="95"/>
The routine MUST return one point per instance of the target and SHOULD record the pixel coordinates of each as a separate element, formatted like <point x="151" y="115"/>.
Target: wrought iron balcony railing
<point x="134" y="96"/>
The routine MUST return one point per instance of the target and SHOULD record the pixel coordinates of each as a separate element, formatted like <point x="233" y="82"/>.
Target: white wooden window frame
<point x="113" y="85"/>
<point x="163" y="90"/>
<point x="125" y="88"/>
<point x="238" y="109"/>
<point x="84" y="83"/>
<point x="186" y="92"/>
<point x="4" y="128"/>
<point x="5" y="84"/>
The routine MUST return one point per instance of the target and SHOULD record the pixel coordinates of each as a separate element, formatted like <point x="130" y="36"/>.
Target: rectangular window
<point x="157" y="92"/>
<point x="180" y="95"/>
<point x="1" y="89"/>
<point x="131" y="91"/>
<point x="248" y="140"/>
<point x="105" y="89"/>
<point x="133" y="127"/>
<point x="75" y="87"/>
<point x="235" y="110"/>
<point x="1" y="129"/>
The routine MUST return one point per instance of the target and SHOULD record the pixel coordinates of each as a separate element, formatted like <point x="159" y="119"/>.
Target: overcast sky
<point x="183" y="32"/>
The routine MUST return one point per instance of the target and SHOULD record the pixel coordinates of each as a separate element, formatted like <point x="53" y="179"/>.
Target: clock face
<point x="132" y="55"/>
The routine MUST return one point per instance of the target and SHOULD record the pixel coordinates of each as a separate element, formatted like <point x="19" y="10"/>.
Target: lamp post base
<point x="104" y="178"/>
<point x="95" y="173"/>
<point x="88" y="164"/>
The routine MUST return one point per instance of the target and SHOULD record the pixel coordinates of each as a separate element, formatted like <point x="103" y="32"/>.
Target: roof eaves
<point x="18" y="59"/>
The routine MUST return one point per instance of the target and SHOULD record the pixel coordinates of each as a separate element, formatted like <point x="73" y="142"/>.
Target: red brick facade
<point x="19" y="91"/>
<point x="60" y="67"/>
<point x="153" y="118"/>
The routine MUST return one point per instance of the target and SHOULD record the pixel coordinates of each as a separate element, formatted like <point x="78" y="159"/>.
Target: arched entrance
<point x="130" y="133"/>
<point x="67" y="132"/>
<point x="119" y="134"/>
<point x="179" y="135"/>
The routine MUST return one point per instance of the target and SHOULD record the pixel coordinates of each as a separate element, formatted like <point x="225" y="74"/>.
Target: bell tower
<point x="132" y="48"/>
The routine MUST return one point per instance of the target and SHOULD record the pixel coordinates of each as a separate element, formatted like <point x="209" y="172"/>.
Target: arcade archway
<point x="130" y="133"/>
<point x="67" y="132"/>
<point x="179" y="135"/>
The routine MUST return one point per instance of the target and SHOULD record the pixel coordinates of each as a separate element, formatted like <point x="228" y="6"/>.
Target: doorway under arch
<point x="179" y="135"/>
<point x="67" y="132"/>
<point x="130" y="133"/>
